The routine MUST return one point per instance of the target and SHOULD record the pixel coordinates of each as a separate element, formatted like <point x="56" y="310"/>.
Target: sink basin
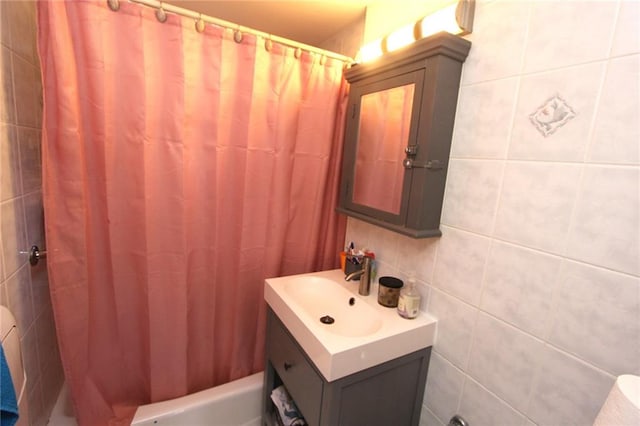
<point x="341" y="331"/>
<point x="320" y="298"/>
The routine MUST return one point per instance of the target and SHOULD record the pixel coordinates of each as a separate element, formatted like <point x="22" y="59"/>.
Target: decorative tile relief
<point x="552" y="115"/>
<point x="537" y="116"/>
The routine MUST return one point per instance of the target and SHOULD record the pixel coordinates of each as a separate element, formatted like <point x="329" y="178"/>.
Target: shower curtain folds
<point x="180" y="170"/>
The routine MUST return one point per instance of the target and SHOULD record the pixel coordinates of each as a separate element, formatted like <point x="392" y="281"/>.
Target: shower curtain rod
<point x="226" y="24"/>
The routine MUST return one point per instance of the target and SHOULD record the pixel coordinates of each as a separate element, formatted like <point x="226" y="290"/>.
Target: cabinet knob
<point x="287" y="366"/>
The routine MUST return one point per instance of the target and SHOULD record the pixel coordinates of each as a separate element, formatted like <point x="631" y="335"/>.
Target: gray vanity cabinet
<point x="398" y="135"/>
<point x="387" y="394"/>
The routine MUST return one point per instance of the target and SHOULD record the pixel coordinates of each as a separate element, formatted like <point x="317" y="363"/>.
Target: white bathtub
<point x="237" y="403"/>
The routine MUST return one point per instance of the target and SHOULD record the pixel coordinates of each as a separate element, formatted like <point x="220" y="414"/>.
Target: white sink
<point x="321" y="297"/>
<point x="362" y="334"/>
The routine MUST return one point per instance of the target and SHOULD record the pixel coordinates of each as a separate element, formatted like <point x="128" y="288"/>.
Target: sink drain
<point x="327" y="319"/>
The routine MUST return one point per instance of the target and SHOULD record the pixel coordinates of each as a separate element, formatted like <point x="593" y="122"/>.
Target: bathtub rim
<point x="171" y="407"/>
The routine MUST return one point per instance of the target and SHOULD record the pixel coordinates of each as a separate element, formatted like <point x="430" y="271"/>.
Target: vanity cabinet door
<point x="390" y="393"/>
<point x="297" y="374"/>
<point x="387" y="394"/>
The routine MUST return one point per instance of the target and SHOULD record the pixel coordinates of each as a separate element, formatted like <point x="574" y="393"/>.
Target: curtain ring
<point x="297" y="53"/>
<point x="237" y="36"/>
<point x="200" y="24"/>
<point x="268" y="45"/>
<point x="161" y="15"/>
<point x="114" y="5"/>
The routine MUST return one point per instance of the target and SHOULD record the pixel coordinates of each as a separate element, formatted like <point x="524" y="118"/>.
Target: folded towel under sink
<point x="289" y="413"/>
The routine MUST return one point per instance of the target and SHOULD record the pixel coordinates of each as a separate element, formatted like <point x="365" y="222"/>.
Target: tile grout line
<point x="540" y="251"/>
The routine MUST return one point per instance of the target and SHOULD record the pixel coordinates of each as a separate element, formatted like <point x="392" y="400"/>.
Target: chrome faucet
<point x="365" y="276"/>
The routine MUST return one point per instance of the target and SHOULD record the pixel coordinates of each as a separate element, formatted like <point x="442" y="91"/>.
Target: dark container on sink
<point x="389" y="291"/>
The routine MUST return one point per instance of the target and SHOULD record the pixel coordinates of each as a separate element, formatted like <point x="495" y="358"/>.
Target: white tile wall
<point x="499" y="35"/>
<point x="472" y="194"/>
<point x="564" y="33"/>
<point x="536" y="203"/>
<point x="626" y="38"/>
<point x="427" y="418"/>
<point x="25" y="290"/>
<point x="568" y="391"/>
<point x="456" y="321"/>
<point x="417" y="256"/>
<point x="535" y="281"/>
<point x="482" y="407"/>
<point x="444" y="386"/>
<point x="616" y="134"/>
<point x="519" y="285"/>
<point x="606" y="223"/>
<point x="14" y="237"/>
<point x="484" y="119"/>
<point x="594" y="313"/>
<point x="9" y="163"/>
<point x="504" y="360"/>
<point x="461" y="279"/>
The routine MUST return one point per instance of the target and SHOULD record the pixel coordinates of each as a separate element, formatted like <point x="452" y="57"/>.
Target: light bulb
<point x="401" y="37"/>
<point x="370" y="51"/>
<point x="442" y="20"/>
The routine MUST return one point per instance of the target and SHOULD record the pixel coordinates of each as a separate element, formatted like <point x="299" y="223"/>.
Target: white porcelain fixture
<point x="363" y="333"/>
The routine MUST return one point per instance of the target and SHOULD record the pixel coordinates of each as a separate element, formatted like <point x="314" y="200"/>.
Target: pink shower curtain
<point x="180" y="170"/>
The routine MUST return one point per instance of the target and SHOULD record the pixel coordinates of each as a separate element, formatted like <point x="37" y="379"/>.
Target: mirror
<point x="398" y="135"/>
<point x="385" y="118"/>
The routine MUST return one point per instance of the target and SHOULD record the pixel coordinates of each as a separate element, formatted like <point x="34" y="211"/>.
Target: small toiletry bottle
<point x="409" y="301"/>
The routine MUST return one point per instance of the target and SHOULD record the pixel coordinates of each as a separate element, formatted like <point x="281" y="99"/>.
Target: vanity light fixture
<point x="401" y="37"/>
<point x="456" y="19"/>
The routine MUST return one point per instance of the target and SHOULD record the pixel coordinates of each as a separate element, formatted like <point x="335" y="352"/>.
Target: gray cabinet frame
<point x="387" y="394"/>
<point x="434" y="64"/>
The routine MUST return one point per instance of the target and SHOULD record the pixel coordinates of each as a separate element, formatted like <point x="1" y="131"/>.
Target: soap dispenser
<point x="409" y="301"/>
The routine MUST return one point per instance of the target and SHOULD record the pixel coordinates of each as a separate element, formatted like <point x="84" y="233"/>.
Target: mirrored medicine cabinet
<point x="398" y="133"/>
